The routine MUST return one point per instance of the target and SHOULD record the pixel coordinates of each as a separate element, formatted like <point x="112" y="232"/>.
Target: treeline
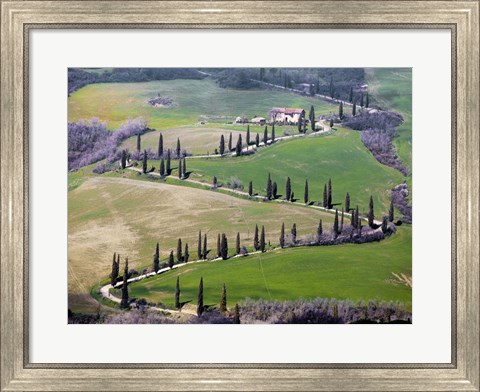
<point x="78" y="77"/>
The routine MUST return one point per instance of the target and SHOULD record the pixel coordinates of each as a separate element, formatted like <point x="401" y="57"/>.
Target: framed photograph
<point x="239" y="195"/>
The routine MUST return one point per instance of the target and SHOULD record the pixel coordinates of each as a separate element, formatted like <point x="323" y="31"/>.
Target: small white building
<point x="259" y="120"/>
<point x="286" y="115"/>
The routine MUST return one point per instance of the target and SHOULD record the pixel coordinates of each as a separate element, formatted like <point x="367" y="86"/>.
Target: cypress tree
<point x="115" y="270"/>
<point x="352" y="218"/>
<point x="342" y="220"/>
<point x="329" y="194"/>
<point x="125" y="300"/>
<point x="139" y="142"/>
<point x="238" y="148"/>
<point x="177" y="294"/>
<point x="237" y="244"/>
<point x="160" y="146"/>
<point x="184" y="167"/>
<point x="199" y="246"/>
<point x="361" y="100"/>
<point x="230" y="142"/>
<point x="170" y="260"/>
<point x="256" y="245"/>
<point x="223" y="300"/>
<point x="292" y="197"/>
<point x="265" y="136"/>
<point x="178" y="150"/>
<point x="124" y="159"/>
<point x="200" y="308"/>
<point x="144" y="162"/>
<point x="274" y="190"/>
<point x="350" y="95"/>
<point x="250" y="189"/>
<point x="331" y="122"/>
<point x="269" y="187"/>
<point x="282" y="236"/>
<point x="340" y="110"/>
<point x="168" y="168"/>
<point x="224" y="247"/>
<point x="236" y="315"/>
<point x="357" y="218"/>
<point x="180" y="174"/>
<point x="354" y="109"/>
<point x="222" y="145"/>
<point x="347" y="202"/>
<point x="325" y="196"/>
<point x="391" y="212"/>
<point x="288" y="189"/>
<point x="319" y="230"/>
<point x="300" y="123"/>
<point x="205" y="249"/>
<point x="257" y="140"/>
<point x="273" y="133"/>
<point x="247" y="139"/>
<point x="179" y="251"/>
<point x="294" y="233"/>
<point x="384" y="224"/>
<point x="371" y="215"/>
<point x="156" y="258"/>
<point x="215" y="182"/>
<point x="162" y="168"/>
<point x="312" y="118"/>
<point x="367" y="102"/>
<point x="305" y="193"/>
<point x="219" y="246"/>
<point x="262" y="240"/>
<point x="336" y="231"/>
<point x="186" y="256"/>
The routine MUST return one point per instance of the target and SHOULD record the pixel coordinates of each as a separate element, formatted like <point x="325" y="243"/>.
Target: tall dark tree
<point x="273" y="132"/>
<point x="180" y="173"/>
<point x="184" y="167"/>
<point x="269" y="187"/>
<point x="367" y="101"/>
<point x="205" y="248"/>
<point x="265" y="136"/>
<point x="311" y="117"/>
<point x="115" y="270"/>
<point x="347" y="202"/>
<point x="325" y="196"/>
<point x="294" y="233"/>
<point x="288" y="189"/>
<point x="179" y="251"/>
<point x="256" y="244"/>
<point x="331" y="122"/>
<point x="336" y="230"/>
<point x="144" y="162"/>
<point x="222" y="145"/>
<point x="223" y="300"/>
<point x="237" y="244"/>
<point x="236" y="315"/>
<point x="178" y="150"/>
<point x="357" y="218"/>
<point x="282" y="236"/>
<point x="350" y="95"/>
<point x="200" y="308"/>
<point x="262" y="240"/>
<point x="168" y="169"/>
<point x="125" y="299"/>
<point x="391" y="216"/>
<point x="352" y="218"/>
<point x="177" y="294"/>
<point x="300" y="123"/>
<point x="319" y="230"/>
<point x="199" y="245"/>
<point x="230" y="142"/>
<point x="139" y="142"/>
<point x="340" y="110"/>
<point x="160" y="146"/>
<point x="238" y="148"/>
<point x="250" y="189"/>
<point x="305" y="193"/>
<point x="170" y="260"/>
<point x="257" y="140"/>
<point x="219" y="246"/>
<point x="342" y="219"/>
<point x="162" y="168"/>
<point x="186" y="255"/>
<point x="292" y="197"/>
<point x="354" y="109"/>
<point x="274" y="190"/>
<point x="156" y="258"/>
<point x="329" y="194"/>
<point x="247" y="138"/>
<point x="224" y="247"/>
<point x="361" y="100"/>
<point x="124" y="159"/>
<point x="371" y="215"/>
<point x="215" y="182"/>
<point x="384" y="225"/>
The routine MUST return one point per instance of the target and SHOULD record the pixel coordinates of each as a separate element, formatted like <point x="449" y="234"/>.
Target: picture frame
<point x="19" y="17"/>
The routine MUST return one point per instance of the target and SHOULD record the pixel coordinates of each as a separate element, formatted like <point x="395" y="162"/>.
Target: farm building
<point x="258" y="120"/>
<point x="286" y="115"/>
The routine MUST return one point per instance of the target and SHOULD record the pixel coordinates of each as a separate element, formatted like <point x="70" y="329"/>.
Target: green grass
<point x="356" y="272"/>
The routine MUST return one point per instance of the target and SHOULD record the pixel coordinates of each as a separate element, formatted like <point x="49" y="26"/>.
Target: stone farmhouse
<point x="286" y="115"/>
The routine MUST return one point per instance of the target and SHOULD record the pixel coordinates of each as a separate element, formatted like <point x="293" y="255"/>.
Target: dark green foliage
<point x="336" y="230"/>
<point x="237" y="244"/>
<point x="319" y="230"/>
<point x="265" y="136"/>
<point x="170" y="260"/>
<point x="180" y="174"/>
<point x="269" y="187"/>
<point x="224" y="247"/>
<point x="250" y="189"/>
<point x="331" y="122"/>
<point x="160" y="146"/>
<point x="342" y="220"/>
<point x="367" y="101"/>
<point x="273" y="133"/>
<point x="354" y="109"/>
<point x="384" y="224"/>
<point x="179" y="251"/>
<point x="262" y="240"/>
<point x="357" y="219"/>
<point x="274" y="190"/>
<point x="184" y="167"/>
<point x="200" y="308"/>
<point x="178" y="150"/>
<point x="305" y="193"/>
<point x="282" y="236"/>
<point x="186" y="256"/>
<point x="215" y="182"/>
<point x="300" y="123"/>
<point x="347" y="202"/>
<point x="223" y="300"/>
<point x="247" y="138"/>
<point x="311" y="117"/>
<point x="371" y="215"/>
<point x="340" y="110"/>
<point x="238" y="148"/>
<point x="361" y="100"/>
<point x="205" y="249"/>
<point x="168" y="168"/>
<point x="391" y="216"/>
<point x="139" y="143"/>
<point x="257" y="140"/>
<point x="288" y="189"/>
<point x="292" y="197"/>
<point x="144" y="162"/>
<point x="124" y="159"/>
<point x="350" y="95"/>
<point x="329" y="194"/>
<point x="294" y="233"/>
<point x="162" y="168"/>
<point x="219" y="246"/>
<point x="331" y="89"/>
<point x="222" y="145"/>
<point x="177" y="294"/>
<point x="352" y="218"/>
<point x="199" y="246"/>
<point x="256" y="244"/>
<point x="230" y="142"/>
<point x="236" y="315"/>
<point x="125" y="299"/>
<point x="325" y="196"/>
<point x="115" y="270"/>
<point x="156" y="258"/>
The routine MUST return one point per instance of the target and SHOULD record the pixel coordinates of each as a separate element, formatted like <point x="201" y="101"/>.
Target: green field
<point x="356" y="272"/>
